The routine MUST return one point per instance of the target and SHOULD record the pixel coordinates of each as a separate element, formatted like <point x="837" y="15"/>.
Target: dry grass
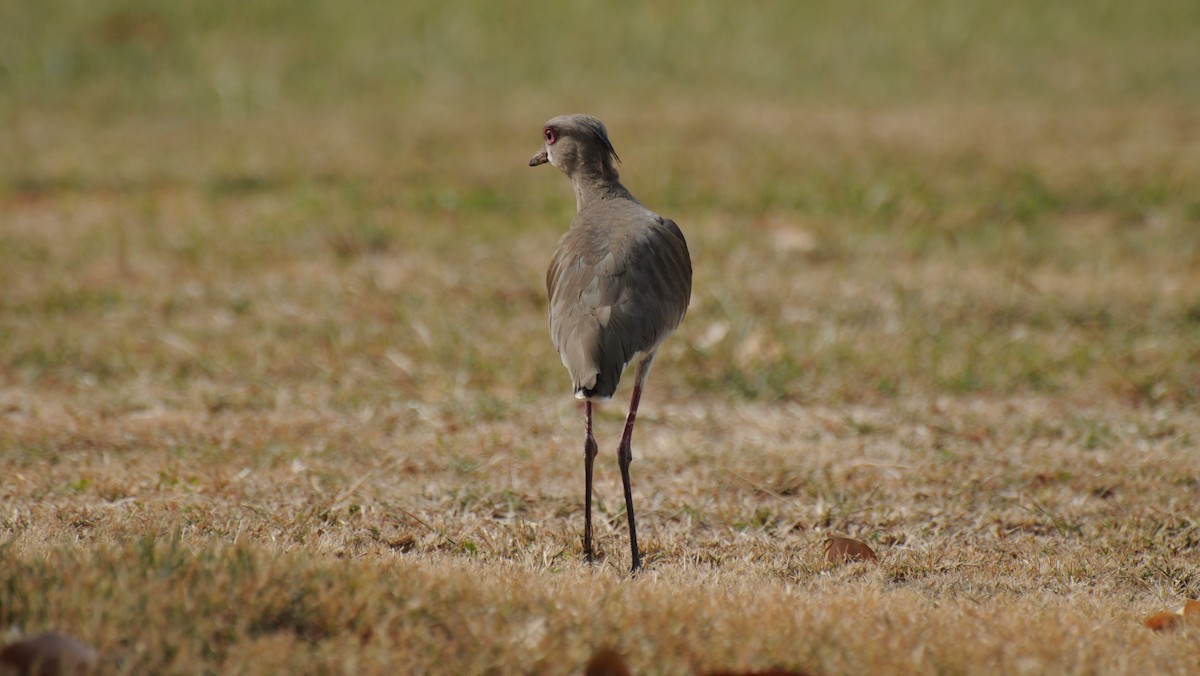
<point x="276" y="394"/>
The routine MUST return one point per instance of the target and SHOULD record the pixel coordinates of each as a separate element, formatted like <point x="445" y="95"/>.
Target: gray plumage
<point x="619" y="284"/>
<point x="621" y="277"/>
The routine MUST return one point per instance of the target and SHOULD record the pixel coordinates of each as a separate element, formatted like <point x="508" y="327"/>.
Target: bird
<point x="619" y="283"/>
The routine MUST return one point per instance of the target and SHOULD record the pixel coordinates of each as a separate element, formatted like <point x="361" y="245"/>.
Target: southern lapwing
<point x="619" y="284"/>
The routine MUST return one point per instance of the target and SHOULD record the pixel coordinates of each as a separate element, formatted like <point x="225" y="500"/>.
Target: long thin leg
<point x="589" y="454"/>
<point x="625" y="456"/>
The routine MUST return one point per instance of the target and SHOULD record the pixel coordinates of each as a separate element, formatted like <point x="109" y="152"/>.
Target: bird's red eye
<point x="551" y="137"/>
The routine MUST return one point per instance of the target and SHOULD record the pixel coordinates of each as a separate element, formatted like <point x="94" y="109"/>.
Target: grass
<point x="276" y="393"/>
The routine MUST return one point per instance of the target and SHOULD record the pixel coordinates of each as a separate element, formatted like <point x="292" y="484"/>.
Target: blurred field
<point x="276" y="391"/>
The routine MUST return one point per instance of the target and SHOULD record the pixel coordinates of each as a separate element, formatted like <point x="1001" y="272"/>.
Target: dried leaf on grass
<point x="769" y="672"/>
<point x="607" y="662"/>
<point x="1172" y="620"/>
<point x="1164" y="621"/>
<point x="844" y="550"/>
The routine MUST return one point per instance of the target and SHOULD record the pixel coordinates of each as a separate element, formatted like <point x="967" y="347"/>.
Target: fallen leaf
<point x="606" y="662"/>
<point x="770" y="672"/>
<point x="842" y="550"/>
<point x="48" y="653"/>
<point x="1164" y="621"/>
<point x="1169" y="621"/>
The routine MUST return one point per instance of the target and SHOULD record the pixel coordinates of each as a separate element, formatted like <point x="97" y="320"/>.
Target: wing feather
<point x="619" y="284"/>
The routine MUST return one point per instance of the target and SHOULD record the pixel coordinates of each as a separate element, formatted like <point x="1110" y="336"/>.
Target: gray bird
<point x="619" y="284"/>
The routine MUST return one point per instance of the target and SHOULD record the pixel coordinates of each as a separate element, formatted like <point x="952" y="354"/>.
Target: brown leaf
<point x="606" y="662"/>
<point x="842" y="550"/>
<point x="769" y="672"/>
<point x="1164" y="621"/>
<point x="48" y="653"/>
<point x="1169" y="621"/>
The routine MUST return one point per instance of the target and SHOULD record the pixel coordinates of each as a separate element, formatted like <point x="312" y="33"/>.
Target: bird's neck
<point x="596" y="183"/>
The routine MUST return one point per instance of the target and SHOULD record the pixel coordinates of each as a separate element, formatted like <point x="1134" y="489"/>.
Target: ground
<point x="276" y="390"/>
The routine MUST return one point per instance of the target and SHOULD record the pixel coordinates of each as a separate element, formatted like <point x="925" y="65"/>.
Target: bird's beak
<point x="541" y="158"/>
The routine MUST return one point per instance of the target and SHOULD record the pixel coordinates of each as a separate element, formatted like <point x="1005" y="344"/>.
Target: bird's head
<point x="577" y="143"/>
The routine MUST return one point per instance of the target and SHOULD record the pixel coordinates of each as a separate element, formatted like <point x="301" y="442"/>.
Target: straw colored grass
<point x="276" y="394"/>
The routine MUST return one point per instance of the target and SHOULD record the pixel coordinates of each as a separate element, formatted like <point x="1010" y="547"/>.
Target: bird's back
<point x="619" y="284"/>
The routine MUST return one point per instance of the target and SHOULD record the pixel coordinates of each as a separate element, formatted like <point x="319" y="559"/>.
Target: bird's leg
<point x="625" y="456"/>
<point x="589" y="454"/>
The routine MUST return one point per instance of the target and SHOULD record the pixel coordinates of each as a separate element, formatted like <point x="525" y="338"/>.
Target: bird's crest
<point x="597" y="128"/>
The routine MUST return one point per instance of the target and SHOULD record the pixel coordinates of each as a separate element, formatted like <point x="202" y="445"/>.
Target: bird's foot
<point x="637" y="566"/>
